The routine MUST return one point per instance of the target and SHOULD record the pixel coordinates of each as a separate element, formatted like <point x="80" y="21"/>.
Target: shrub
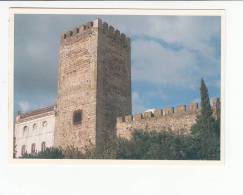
<point x="48" y="153"/>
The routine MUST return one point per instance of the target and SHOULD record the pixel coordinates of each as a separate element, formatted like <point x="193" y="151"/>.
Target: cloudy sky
<point x="170" y="54"/>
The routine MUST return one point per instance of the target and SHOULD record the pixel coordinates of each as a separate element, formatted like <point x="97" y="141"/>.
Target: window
<point x="23" y="150"/>
<point x="25" y="130"/>
<point x="33" y="148"/>
<point x="44" y="124"/>
<point x="43" y="146"/>
<point x="34" y="126"/>
<point x="77" y="117"/>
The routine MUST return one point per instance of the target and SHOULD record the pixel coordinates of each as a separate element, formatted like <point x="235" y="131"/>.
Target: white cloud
<point x="192" y="32"/>
<point x="24" y="106"/>
<point x="156" y="64"/>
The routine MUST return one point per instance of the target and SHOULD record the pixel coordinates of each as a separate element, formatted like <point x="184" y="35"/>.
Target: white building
<point x="34" y="131"/>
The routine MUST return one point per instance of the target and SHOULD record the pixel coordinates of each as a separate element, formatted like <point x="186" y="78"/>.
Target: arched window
<point x="33" y="148"/>
<point x="77" y="117"/>
<point x="34" y="126"/>
<point x="43" y="146"/>
<point x="44" y="124"/>
<point x="25" y="130"/>
<point x="23" y="150"/>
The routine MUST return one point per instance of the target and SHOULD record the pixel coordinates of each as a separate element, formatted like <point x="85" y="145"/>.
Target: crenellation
<point x="69" y="34"/>
<point x="105" y="27"/>
<point x="193" y="107"/>
<point x="138" y="117"/>
<point x="158" y="113"/>
<point x="180" y="118"/>
<point x="117" y="35"/>
<point x="181" y="109"/>
<point x="81" y="29"/>
<point x="97" y="23"/>
<point x="148" y="115"/>
<point x="128" y="118"/>
<point x="63" y="35"/>
<point x="120" y="119"/>
<point x="168" y="111"/>
<point x="111" y="31"/>
<point x="75" y="31"/>
<point x="89" y="24"/>
<point x="123" y="37"/>
<point x="127" y="42"/>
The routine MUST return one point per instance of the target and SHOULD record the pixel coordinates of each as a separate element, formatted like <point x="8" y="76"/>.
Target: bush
<point x="49" y="153"/>
<point x="166" y="145"/>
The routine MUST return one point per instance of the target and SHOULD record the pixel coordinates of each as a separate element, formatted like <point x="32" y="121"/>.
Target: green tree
<point x="206" y="139"/>
<point x="165" y="145"/>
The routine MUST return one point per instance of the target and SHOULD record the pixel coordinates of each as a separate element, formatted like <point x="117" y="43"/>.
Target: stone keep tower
<point x="94" y="85"/>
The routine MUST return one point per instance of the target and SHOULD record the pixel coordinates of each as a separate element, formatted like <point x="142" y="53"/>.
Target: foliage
<point x="72" y="152"/>
<point x="166" y="145"/>
<point x="48" y="153"/>
<point x="206" y="131"/>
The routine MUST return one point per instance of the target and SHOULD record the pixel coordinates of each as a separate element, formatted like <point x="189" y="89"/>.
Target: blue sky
<point x="170" y="54"/>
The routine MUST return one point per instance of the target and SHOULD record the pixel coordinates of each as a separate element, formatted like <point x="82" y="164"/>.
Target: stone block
<point x="168" y="110"/>
<point x="193" y="107"/>
<point x="128" y="118"/>
<point x="148" y="115"/>
<point x="120" y="119"/>
<point x="138" y="117"/>
<point x="181" y="109"/>
<point x="158" y="113"/>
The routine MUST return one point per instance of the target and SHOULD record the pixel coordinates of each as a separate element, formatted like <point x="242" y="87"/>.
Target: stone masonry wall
<point x="181" y="118"/>
<point x="94" y="77"/>
<point x="114" y="81"/>
<point x="77" y="86"/>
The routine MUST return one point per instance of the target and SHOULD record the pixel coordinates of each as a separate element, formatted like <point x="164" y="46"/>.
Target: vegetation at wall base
<point x="202" y="144"/>
<point x="48" y="153"/>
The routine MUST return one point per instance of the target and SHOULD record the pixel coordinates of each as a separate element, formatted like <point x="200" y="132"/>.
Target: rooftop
<point x="35" y="112"/>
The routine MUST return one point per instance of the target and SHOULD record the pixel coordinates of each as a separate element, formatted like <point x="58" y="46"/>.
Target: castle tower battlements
<point x="86" y="29"/>
<point x="94" y="84"/>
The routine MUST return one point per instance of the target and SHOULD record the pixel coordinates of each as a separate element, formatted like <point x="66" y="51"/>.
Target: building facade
<point x="34" y="131"/>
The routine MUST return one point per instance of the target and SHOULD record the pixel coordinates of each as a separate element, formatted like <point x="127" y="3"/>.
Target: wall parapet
<point x="109" y="30"/>
<point x="180" y="109"/>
